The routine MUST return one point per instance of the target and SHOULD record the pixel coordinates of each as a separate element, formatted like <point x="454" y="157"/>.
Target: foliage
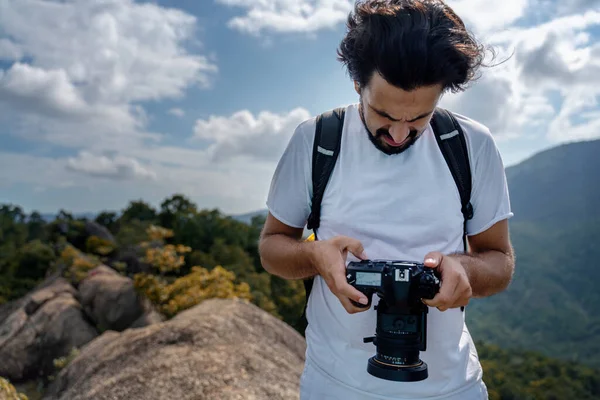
<point x="8" y="391"/>
<point x="140" y="211"/>
<point x="552" y="304"/>
<point x="166" y="259"/>
<point x="62" y="362"/>
<point x="193" y="255"/>
<point x="191" y="289"/>
<point x="531" y="376"/>
<point x="98" y="246"/>
<point x="24" y="257"/>
<point x="78" y="265"/>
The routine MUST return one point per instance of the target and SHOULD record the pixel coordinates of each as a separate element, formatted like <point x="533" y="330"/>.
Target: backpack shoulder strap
<point x="328" y="138"/>
<point x="451" y="140"/>
<point x="326" y="148"/>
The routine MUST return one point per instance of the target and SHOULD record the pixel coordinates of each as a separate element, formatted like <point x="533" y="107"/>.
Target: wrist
<point x="309" y="254"/>
<point x="464" y="260"/>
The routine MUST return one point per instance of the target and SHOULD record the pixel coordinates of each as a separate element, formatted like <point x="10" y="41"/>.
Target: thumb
<point x="354" y="246"/>
<point x="433" y="259"/>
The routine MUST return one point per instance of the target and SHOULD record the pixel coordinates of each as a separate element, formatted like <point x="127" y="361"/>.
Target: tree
<point x="33" y="260"/>
<point x="177" y="206"/>
<point x="139" y="210"/>
<point x="36" y="227"/>
<point x="108" y="219"/>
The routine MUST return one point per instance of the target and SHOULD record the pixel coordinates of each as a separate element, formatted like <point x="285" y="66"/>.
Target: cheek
<point x="420" y="127"/>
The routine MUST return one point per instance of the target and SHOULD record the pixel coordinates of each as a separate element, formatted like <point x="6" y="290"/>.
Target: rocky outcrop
<point x="111" y="301"/>
<point x="44" y="326"/>
<point x="220" y="349"/>
<point x="57" y="317"/>
<point x="95" y="229"/>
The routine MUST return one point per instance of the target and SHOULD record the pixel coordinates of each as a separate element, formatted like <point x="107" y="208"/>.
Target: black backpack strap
<point x="451" y="139"/>
<point x="328" y="138"/>
<point x="326" y="148"/>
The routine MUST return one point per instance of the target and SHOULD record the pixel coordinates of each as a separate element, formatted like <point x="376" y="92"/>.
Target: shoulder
<point x="304" y="134"/>
<point x="478" y="136"/>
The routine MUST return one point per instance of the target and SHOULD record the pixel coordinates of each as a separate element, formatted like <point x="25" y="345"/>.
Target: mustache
<point x="382" y="132"/>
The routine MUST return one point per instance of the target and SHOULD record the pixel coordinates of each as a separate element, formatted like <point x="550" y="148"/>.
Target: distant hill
<point x="560" y="185"/>
<point x="553" y="304"/>
<point x="247" y="218"/>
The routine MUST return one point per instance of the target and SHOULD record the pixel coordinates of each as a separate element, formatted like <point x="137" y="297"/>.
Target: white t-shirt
<point x="400" y="207"/>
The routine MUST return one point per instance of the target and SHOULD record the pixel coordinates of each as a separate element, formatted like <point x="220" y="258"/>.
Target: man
<point x="392" y="196"/>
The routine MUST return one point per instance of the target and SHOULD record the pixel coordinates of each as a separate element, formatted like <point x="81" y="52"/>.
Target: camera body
<point x="401" y="331"/>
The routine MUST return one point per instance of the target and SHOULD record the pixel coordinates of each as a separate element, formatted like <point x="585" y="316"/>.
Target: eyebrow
<point x="386" y="115"/>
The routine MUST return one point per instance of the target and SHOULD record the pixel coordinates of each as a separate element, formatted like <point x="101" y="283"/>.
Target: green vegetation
<point x="517" y="375"/>
<point x="179" y="256"/>
<point x="553" y="304"/>
<point x="8" y="391"/>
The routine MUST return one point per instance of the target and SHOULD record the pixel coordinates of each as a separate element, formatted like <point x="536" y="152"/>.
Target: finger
<point x="354" y="246"/>
<point x="443" y="299"/>
<point x="350" y="308"/>
<point x="433" y="259"/>
<point x="342" y="288"/>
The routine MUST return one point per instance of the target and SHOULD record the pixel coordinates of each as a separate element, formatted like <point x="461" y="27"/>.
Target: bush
<point x="77" y="264"/>
<point x="191" y="289"/>
<point x="8" y="391"/>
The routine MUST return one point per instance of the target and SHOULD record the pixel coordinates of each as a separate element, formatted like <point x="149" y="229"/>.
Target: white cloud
<point x="178" y="112"/>
<point x="83" y="65"/>
<point x="288" y="15"/>
<point x="482" y="17"/>
<point x="313" y="15"/>
<point x="242" y="134"/>
<point x="48" y="92"/>
<point x="116" y="167"/>
<point x="545" y="87"/>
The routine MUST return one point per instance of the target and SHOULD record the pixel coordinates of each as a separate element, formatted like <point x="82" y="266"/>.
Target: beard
<point x="379" y="142"/>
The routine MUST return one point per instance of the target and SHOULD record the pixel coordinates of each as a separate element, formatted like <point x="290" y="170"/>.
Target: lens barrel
<point x="397" y="373"/>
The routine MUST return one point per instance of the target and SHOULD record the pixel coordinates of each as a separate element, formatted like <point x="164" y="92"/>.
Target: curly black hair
<point x="411" y="44"/>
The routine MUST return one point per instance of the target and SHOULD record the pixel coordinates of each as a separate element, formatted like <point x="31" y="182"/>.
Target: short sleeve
<point x="289" y="194"/>
<point x="490" y="196"/>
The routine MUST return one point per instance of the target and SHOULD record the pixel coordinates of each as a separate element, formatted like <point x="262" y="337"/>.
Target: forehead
<point x="399" y="103"/>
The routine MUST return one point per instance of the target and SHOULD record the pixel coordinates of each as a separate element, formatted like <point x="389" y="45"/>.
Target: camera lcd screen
<point x="368" y="279"/>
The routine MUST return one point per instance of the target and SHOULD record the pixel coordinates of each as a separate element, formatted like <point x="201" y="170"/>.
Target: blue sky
<point x="107" y="101"/>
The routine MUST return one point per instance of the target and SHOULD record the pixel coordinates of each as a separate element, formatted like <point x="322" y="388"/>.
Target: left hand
<point x="455" y="290"/>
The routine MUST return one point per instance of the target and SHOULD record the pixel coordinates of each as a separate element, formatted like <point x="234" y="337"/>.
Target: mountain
<point x="553" y="303"/>
<point x="247" y="218"/>
<point x="560" y="185"/>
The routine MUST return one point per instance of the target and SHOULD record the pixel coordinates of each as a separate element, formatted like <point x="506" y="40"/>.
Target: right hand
<point x="329" y="259"/>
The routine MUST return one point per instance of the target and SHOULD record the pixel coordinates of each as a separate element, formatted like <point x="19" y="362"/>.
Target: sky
<point x="103" y="102"/>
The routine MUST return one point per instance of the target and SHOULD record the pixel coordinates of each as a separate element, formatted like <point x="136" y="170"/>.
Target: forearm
<point x="286" y="257"/>
<point x="489" y="272"/>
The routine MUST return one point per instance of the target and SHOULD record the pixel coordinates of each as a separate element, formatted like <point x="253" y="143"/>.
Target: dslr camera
<point x="401" y="331"/>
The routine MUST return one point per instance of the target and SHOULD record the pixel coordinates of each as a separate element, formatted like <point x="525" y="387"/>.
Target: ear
<point x="357" y="87"/>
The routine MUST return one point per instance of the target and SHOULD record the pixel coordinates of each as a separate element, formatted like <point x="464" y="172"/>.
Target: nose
<point x="399" y="131"/>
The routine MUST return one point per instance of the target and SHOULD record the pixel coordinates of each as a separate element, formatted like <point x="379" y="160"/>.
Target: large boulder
<point x="95" y="229"/>
<point x="220" y="349"/>
<point x="112" y="302"/>
<point x="45" y="325"/>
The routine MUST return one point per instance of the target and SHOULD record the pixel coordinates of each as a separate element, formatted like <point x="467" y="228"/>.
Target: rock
<point x="95" y="229"/>
<point x="46" y="325"/>
<point x="220" y="349"/>
<point x="111" y="301"/>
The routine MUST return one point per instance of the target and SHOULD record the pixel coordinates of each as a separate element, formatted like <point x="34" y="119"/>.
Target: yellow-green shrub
<point x="77" y="264"/>
<point x="8" y="391"/>
<point x="101" y="247"/>
<point x="191" y="289"/>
